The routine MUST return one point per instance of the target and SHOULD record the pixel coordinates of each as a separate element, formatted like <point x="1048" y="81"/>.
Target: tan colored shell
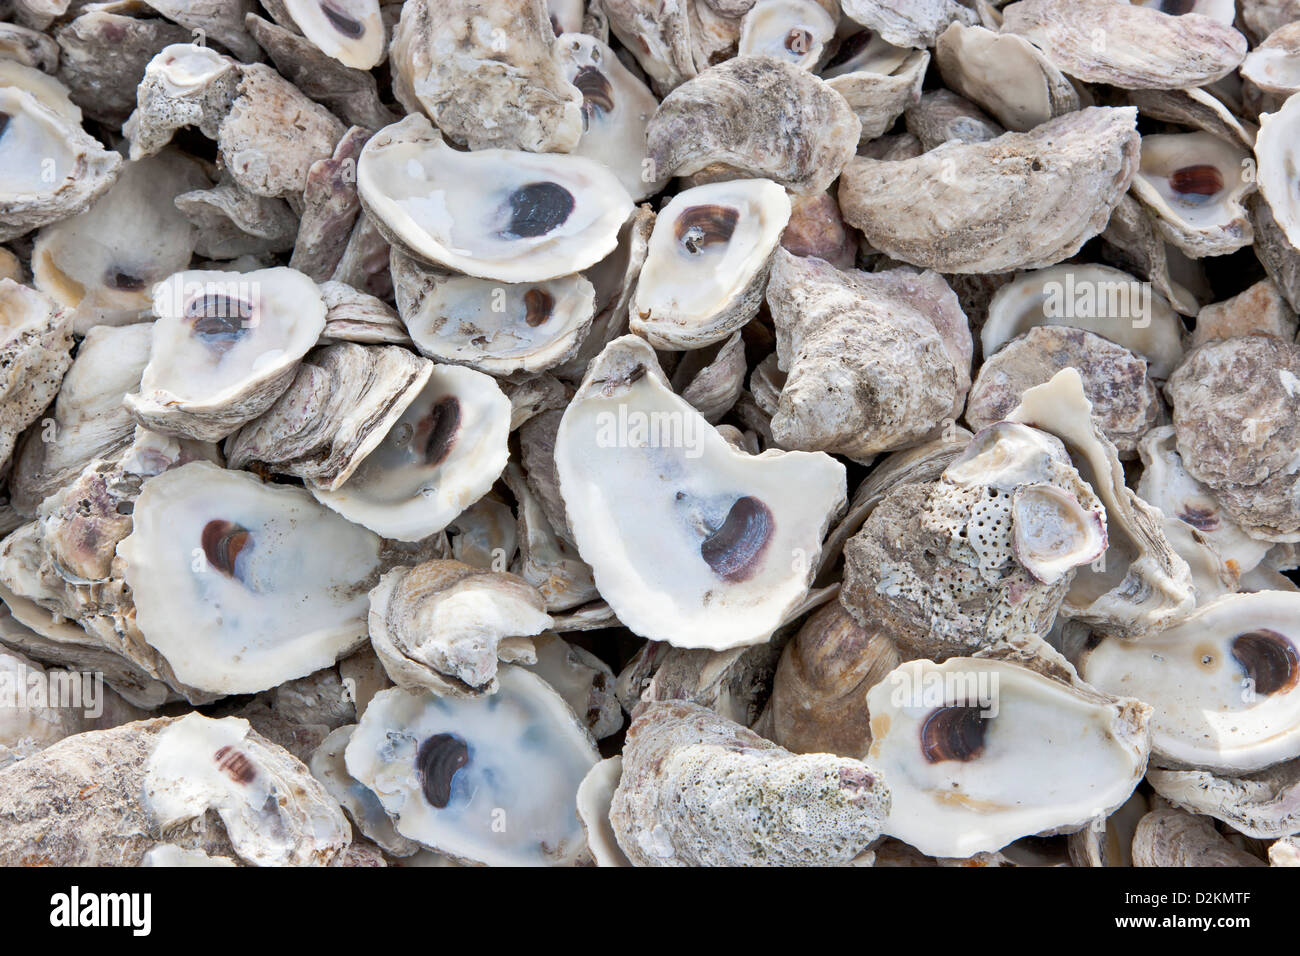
<point x="442" y="626"/>
<point x="715" y="387"/>
<point x="330" y="206"/>
<point x="485" y="74"/>
<point x="1274" y="65"/>
<point x="658" y="34"/>
<point x="819" y="693"/>
<point x="792" y="127"/>
<point x="817" y="229"/>
<point x="1198" y="109"/>
<point x="343" y="400"/>
<point x="1142" y="48"/>
<point x="941" y="116"/>
<point x="230" y="221"/>
<point x="1125" y="403"/>
<point x="183" y="85"/>
<point x="35" y="347"/>
<point x="877" y="98"/>
<point x="1011" y="203"/>
<point x="697" y="789"/>
<point x="274" y="133"/>
<point x="918" y="23"/>
<point x="1136" y="245"/>
<point x="1171" y="837"/>
<point x="731" y="683"/>
<point x="1260" y="310"/>
<point x="874" y="361"/>
<point x="1235" y="410"/>
<point x="1280" y="259"/>
<point x="1005" y="74"/>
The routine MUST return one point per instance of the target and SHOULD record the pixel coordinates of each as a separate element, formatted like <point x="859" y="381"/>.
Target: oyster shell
<point x="52" y="167"/>
<point x="441" y="626"/>
<point x="350" y="31"/>
<point x="1276" y="150"/>
<point x="796" y="29"/>
<point x="595" y="795"/>
<point x="971" y="751"/>
<point x="1274" y="65"/>
<point x="1224" y="683"/>
<point x="707" y="262"/>
<point x="528" y="218"/>
<point x="212" y="595"/>
<point x="1194" y="184"/>
<point x="225" y="347"/>
<point x="1168" y="837"/>
<point x="916" y="24"/>
<point x="491" y="780"/>
<point x="793" y="129"/>
<point x="184" y="85"/>
<point x="443" y="454"/>
<point x="879" y="81"/>
<point x="1141" y="47"/>
<point x="1010" y="203"/>
<point x="697" y="789"/>
<point x="642" y="473"/>
<point x="35" y="342"/>
<point x="486" y="74"/>
<point x="358" y="801"/>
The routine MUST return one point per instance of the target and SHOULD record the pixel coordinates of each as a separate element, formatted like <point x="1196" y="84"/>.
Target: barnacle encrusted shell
<point x="228" y="586"/>
<point x="105" y="262"/>
<point x="89" y="418"/>
<point x="1125" y="403"/>
<point x="486" y="74"/>
<point x="1141" y="47"/>
<point x="441" y="626"/>
<point x="35" y="347"/>
<point x="1109" y="302"/>
<point x="1265" y="804"/>
<point x="819" y="691"/>
<point x="343" y="400"/>
<point x="351" y="31"/>
<point x="874" y="361"/>
<point x="972" y="750"/>
<point x="983" y="554"/>
<point x="52" y="167"/>
<point x="755" y="116"/>
<point x="491" y="780"/>
<point x="1195" y="184"/>
<point x="1169" y="837"/>
<point x="225" y="347"/>
<point x="918" y="23"/>
<point x="1278" y="150"/>
<point x="1234" y="407"/>
<point x="707" y="262"/>
<point x="1141" y="584"/>
<point x="184" y="85"/>
<point x="697" y="789"/>
<point x="1225" y="683"/>
<point x="1005" y="74"/>
<point x="691" y="541"/>
<point x="495" y="214"/>
<point x="1010" y="203"/>
<point x="443" y="454"/>
<point x="274" y="812"/>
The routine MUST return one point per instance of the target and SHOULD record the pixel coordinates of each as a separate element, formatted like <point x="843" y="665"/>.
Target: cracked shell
<point x="691" y="541"/>
<point x="707" y="262"/>
<point x="1225" y="683"/>
<point x="494" y="214"/>
<point x="225" y="346"/>
<point x="183" y="85"/>
<point x="274" y="812"/>
<point x="447" y="770"/>
<point x="755" y="117"/>
<point x="1009" y="203"/>
<point x="442" y="455"/>
<point x="228" y="587"/>
<point x="975" y="753"/>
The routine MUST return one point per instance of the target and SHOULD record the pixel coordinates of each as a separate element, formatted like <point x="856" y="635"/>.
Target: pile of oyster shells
<point x="650" y="432"/>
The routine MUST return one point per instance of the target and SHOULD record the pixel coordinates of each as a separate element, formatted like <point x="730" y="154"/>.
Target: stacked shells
<point x="760" y="432"/>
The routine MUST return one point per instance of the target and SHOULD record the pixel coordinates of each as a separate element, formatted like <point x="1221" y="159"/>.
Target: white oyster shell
<point x="1278" y="152"/>
<point x="441" y="456"/>
<point x="495" y="214"/>
<point x="229" y="587"/>
<point x="974" y="756"/>
<point x="492" y="780"/>
<point x="1195" y="184"/>
<point x="351" y="31"/>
